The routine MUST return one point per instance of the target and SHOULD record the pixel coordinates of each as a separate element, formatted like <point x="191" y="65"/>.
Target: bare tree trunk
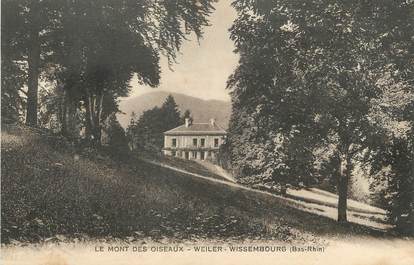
<point x="88" y="125"/>
<point x="69" y="122"/>
<point x="94" y="105"/>
<point x="63" y="119"/>
<point x="34" y="65"/>
<point x="343" y="183"/>
<point x="98" y="117"/>
<point x="91" y="121"/>
<point x="72" y="125"/>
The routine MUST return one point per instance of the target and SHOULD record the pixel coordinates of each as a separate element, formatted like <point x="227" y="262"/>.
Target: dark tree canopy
<point x="146" y="133"/>
<point x="91" y="49"/>
<point x="186" y="115"/>
<point x="306" y="82"/>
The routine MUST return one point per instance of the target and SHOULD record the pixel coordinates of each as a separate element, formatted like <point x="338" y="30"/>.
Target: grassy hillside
<point x="190" y="166"/>
<point x="48" y="193"/>
<point x="202" y="110"/>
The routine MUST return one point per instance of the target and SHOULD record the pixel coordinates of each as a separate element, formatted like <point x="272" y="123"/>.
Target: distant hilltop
<point x="201" y="110"/>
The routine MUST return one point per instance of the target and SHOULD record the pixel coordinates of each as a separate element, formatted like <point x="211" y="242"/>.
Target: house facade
<point x="194" y="140"/>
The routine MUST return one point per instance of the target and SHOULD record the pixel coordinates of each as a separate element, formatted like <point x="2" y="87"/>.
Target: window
<point x="174" y="142"/>
<point x="194" y="154"/>
<point x="216" y="142"/>
<point x="194" y="141"/>
<point x="173" y="153"/>
<point x="202" y="142"/>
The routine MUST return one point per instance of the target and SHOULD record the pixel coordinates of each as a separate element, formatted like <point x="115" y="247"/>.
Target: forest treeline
<point x="324" y="90"/>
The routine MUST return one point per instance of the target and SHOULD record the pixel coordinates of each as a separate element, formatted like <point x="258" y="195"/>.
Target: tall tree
<point x="95" y="47"/>
<point x="26" y="26"/>
<point x="171" y="112"/>
<point x="186" y="115"/>
<point x="106" y="42"/>
<point x="147" y="132"/>
<point x="116" y="139"/>
<point x="392" y="158"/>
<point x="306" y="80"/>
<point x="33" y="61"/>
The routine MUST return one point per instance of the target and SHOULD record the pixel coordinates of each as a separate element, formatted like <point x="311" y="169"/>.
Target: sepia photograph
<point x="188" y="132"/>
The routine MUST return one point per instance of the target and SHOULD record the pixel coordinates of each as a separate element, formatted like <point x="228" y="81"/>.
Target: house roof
<point x="197" y="128"/>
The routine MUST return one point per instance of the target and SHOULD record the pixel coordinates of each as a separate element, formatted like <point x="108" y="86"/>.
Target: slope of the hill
<point x="202" y="110"/>
<point x="49" y="193"/>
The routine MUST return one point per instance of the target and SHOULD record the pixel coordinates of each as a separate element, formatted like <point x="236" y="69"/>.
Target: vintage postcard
<point x="207" y="132"/>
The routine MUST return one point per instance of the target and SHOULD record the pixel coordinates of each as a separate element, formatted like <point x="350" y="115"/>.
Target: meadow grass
<point x="51" y="190"/>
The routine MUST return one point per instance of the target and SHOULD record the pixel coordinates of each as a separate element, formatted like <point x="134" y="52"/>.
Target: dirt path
<point x="217" y="170"/>
<point x="375" y="221"/>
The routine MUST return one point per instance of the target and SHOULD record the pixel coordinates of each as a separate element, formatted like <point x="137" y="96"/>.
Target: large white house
<point x="194" y="140"/>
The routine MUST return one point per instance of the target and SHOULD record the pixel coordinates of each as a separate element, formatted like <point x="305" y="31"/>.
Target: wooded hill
<point x="201" y="110"/>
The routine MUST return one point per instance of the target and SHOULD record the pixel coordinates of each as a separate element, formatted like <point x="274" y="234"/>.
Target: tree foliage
<point x="92" y="49"/>
<point x="26" y="33"/>
<point x="187" y="115"/>
<point x="306" y="82"/>
<point x="117" y="142"/>
<point x="391" y="160"/>
<point x="12" y="82"/>
<point x="146" y="133"/>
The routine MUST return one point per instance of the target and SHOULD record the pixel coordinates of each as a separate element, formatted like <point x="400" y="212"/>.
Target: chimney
<point x="187" y="122"/>
<point x="212" y="122"/>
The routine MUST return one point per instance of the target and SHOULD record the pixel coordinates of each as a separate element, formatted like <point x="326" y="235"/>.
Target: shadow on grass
<point x="46" y="192"/>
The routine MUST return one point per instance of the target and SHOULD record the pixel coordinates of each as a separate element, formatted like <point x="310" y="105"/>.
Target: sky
<point x="202" y="67"/>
